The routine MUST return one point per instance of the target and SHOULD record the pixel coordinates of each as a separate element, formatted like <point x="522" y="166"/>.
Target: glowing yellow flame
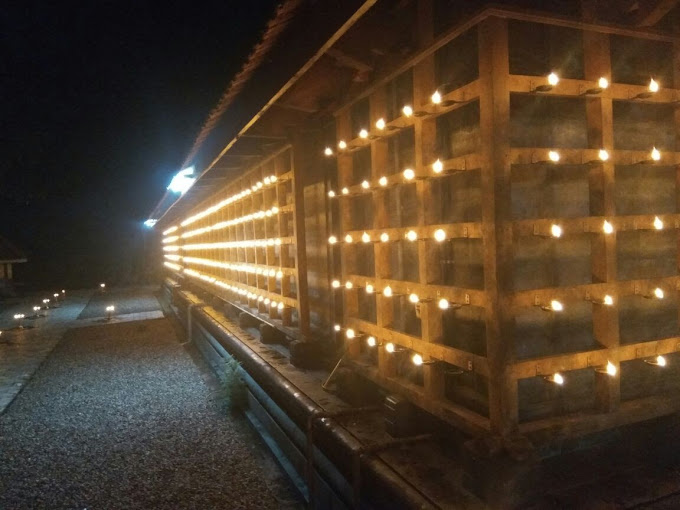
<point x="413" y="298"/>
<point x="553" y="79"/>
<point x="656" y="155"/>
<point x="436" y="97"/>
<point x="380" y="124"/>
<point x="389" y="347"/>
<point x="557" y="378"/>
<point x="371" y="341"/>
<point x="658" y="224"/>
<point x="603" y="155"/>
<point x="443" y="304"/>
<point x="658" y="293"/>
<point x="349" y="285"/>
<point x="365" y="185"/>
<point x="363" y="134"/>
<point x="653" y="85"/>
<point x="335" y="284"/>
<point x="417" y="359"/>
<point x="556" y="306"/>
<point x="607" y="227"/>
<point x="556" y="231"/>
<point x="387" y="291"/>
<point x="383" y="181"/>
<point x="369" y="288"/>
<point x="348" y="238"/>
<point x="407" y="111"/>
<point x="608" y="300"/>
<point x="603" y="83"/>
<point x="611" y="369"/>
<point x="345" y="191"/>
<point x="439" y="235"/>
<point x="384" y="237"/>
<point x="411" y="235"/>
<point x="554" y="156"/>
<point x="332" y="240"/>
<point x="350" y="333"/>
<point x="327" y="151"/>
<point x="437" y="167"/>
<point x="409" y="174"/>
<point x="342" y="144"/>
<point x="365" y="237"/>
<point x="336" y="327"/>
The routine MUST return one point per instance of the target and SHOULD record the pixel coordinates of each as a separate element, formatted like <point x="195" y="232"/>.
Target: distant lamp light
<point x="342" y="145"/>
<point x="554" y="156"/>
<point x="608" y="300"/>
<point x="350" y="333"/>
<point x="345" y="191"/>
<point x="439" y="235"/>
<point x="348" y="239"/>
<point x="280" y="306"/>
<point x="331" y="194"/>
<point x="407" y="111"/>
<point x="556" y="231"/>
<point x="332" y="240"/>
<point x="611" y="369"/>
<point x="109" y="312"/>
<point x="371" y="341"/>
<point x="335" y="284"/>
<point x="556" y="378"/>
<point x="658" y="293"/>
<point x="411" y="235"/>
<point x="553" y="79"/>
<point x="658" y="361"/>
<point x="603" y="155"/>
<point x="337" y="328"/>
<point x="384" y="237"/>
<point x="380" y="124"/>
<point x="607" y="227"/>
<point x="363" y="134"/>
<point x="436" y="97"/>
<point x="20" y="318"/>
<point x="603" y="83"/>
<point x="369" y="288"/>
<point x="328" y="151"/>
<point x="443" y="304"/>
<point x="417" y="359"/>
<point x="383" y="181"/>
<point x="389" y="347"/>
<point x="365" y="237"/>
<point x="658" y="224"/>
<point x="413" y="298"/>
<point x="365" y="185"/>
<point x="655" y="154"/>
<point x="409" y="174"/>
<point x="349" y="285"/>
<point x="437" y="166"/>
<point x="387" y="291"/>
<point x="150" y="223"/>
<point x="181" y="182"/>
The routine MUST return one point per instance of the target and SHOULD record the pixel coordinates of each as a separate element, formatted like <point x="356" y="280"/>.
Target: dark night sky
<point x="101" y="102"/>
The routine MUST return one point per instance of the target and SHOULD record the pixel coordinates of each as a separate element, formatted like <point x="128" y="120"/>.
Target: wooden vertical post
<point x="599" y="117"/>
<point x="381" y="251"/>
<point x="348" y="251"/>
<point x="676" y="85"/>
<point x="425" y="131"/>
<point x="303" y="151"/>
<point x="497" y="222"/>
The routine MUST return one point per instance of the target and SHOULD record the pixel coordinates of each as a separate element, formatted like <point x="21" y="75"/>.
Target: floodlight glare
<point x="181" y="182"/>
<point x="150" y="223"/>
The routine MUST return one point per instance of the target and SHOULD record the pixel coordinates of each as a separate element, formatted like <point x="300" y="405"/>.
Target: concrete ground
<point x="121" y="414"/>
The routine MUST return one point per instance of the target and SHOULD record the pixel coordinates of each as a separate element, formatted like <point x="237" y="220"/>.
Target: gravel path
<point x="125" y="299"/>
<point x="121" y="417"/>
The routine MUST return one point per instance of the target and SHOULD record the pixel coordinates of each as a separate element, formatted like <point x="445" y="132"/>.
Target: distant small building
<point x="9" y="254"/>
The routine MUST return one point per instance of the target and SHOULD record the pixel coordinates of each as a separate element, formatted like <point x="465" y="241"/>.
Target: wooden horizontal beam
<point x="584" y="88"/>
<point x="455" y="295"/>
<point x="435" y="351"/>
<point x="452" y="230"/>
<point x="541" y="155"/>
<point x="540" y="297"/>
<point x="594" y="224"/>
<point x="468" y="421"/>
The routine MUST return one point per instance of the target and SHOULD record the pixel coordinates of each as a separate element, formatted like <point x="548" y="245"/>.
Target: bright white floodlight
<point x="151" y="222"/>
<point x="181" y="182"/>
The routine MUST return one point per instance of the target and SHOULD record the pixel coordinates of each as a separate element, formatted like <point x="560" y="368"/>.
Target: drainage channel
<point x="337" y="456"/>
